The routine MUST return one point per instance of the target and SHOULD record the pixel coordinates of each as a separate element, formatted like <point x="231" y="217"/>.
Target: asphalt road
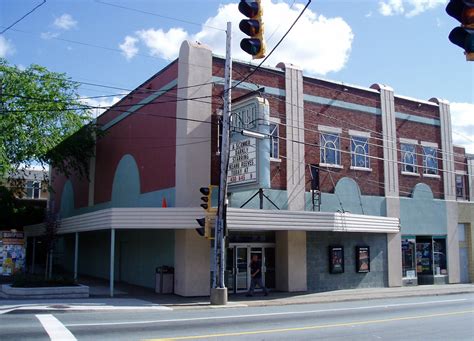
<point x="449" y="317"/>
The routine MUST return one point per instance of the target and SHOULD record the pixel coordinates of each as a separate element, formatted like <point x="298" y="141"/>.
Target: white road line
<point x="259" y="315"/>
<point x="55" y="329"/>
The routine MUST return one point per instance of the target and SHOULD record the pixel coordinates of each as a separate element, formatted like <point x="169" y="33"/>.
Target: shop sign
<point x="242" y="162"/>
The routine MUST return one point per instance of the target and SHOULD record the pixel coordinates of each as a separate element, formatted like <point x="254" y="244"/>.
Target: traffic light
<point x="463" y="36"/>
<point x="206" y="223"/>
<point x="253" y="27"/>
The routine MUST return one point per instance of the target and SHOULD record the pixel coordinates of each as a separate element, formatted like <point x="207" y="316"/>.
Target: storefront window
<point x="424" y="255"/>
<point x="408" y="257"/>
<point x="439" y="256"/>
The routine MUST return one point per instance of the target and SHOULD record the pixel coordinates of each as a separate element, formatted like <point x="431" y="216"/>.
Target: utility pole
<point x="219" y="291"/>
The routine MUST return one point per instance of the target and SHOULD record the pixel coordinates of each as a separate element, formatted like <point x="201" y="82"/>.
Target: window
<point x="461" y="187"/>
<point x="408" y="257"/>
<point x="330" y="149"/>
<point x="274" y="140"/>
<point x="430" y="160"/>
<point x="408" y="158"/>
<point x="360" y="152"/>
<point x="33" y="189"/>
<point x="439" y="256"/>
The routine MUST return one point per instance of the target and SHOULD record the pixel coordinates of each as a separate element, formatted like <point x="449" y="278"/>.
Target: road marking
<point x="55" y="329"/>
<point x="295" y="329"/>
<point x="259" y="315"/>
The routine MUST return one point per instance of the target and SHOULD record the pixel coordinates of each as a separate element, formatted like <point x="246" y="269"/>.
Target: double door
<point x="237" y="268"/>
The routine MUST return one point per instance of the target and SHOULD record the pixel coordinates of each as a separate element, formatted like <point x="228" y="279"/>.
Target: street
<point x="417" y="318"/>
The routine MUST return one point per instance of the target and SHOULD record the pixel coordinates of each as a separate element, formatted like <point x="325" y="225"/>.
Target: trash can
<point x="164" y="280"/>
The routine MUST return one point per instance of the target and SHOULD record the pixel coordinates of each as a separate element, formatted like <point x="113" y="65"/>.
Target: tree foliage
<point x="39" y="109"/>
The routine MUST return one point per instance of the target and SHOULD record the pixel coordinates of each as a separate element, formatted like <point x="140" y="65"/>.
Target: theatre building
<point x="336" y="186"/>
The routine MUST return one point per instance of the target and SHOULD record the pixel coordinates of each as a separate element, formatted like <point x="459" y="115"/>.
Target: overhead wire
<point x="22" y="17"/>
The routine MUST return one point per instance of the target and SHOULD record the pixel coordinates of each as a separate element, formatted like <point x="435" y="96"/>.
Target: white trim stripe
<point x="327" y="129"/>
<point x="408" y="141"/>
<point x="55" y="329"/>
<point x="237" y="219"/>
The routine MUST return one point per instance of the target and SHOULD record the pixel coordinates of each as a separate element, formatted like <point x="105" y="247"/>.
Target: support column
<point x="291" y="270"/>
<point x="192" y="256"/>
<point x="112" y="262"/>
<point x="76" y="254"/>
<point x="193" y="165"/>
<point x="33" y="256"/>
<point x="391" y="184"/>
<point x="295" y="142"/>
<point x="449" y="184"/>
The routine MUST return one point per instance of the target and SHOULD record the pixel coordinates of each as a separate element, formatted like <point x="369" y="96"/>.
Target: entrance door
<point x="237" y="268"/>
<point x="241" y="269"/>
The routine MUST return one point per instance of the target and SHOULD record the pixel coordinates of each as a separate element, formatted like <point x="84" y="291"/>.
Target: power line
<point x="23" y="17"/>
<point x="158" y="15"/>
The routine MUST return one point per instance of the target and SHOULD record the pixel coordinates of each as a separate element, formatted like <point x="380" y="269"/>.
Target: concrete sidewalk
<point x="139" y="299"/>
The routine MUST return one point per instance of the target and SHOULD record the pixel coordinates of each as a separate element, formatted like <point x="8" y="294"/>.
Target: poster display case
<point x="336" y="259"/>
<point x="362" y="259"/>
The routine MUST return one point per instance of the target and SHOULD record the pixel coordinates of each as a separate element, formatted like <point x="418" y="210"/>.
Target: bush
<point x="36" y="281"/>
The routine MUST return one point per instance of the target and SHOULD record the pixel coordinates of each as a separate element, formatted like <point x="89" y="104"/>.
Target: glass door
<point x="230" y="269"/>
<point x="241" y="269"/>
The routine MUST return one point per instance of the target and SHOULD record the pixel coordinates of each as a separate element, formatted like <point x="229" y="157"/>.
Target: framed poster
<point x="362" y="259"/>
<point x="336" y="259"/>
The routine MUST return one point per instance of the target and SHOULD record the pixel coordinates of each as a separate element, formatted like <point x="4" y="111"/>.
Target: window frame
<point x="35" y="187"/>
<point x="324" y="141"/>
<point x="412" y="154"/>
<point x="366" y="148"/>
<point x="274" y="140"/>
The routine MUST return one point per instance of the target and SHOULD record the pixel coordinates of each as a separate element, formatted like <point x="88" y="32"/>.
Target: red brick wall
<point x="149" y="135"/>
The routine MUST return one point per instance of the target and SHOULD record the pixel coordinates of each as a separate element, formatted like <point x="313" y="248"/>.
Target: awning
<point x="237" y="219"/>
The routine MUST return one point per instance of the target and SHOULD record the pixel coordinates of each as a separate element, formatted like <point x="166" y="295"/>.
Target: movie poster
<point x="336" y="259"/>
<point x="12" y="252"/>
<point x="362" y="259"/>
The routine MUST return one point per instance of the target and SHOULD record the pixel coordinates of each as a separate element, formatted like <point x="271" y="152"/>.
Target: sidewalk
<point x="129" y="297"/>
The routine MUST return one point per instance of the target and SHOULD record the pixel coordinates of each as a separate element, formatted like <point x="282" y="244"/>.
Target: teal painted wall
<point x="140" y="252"/>
<point x="137" y="254"/>
<point x="94" y="253"/>
<point x="280" y="198"/>
<point x="422" y="214"/>
<point x="347" y="196"/>
<point x="125" y="192"/>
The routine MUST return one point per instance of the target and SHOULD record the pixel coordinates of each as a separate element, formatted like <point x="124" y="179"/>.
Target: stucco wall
<point x="319" y="278"/>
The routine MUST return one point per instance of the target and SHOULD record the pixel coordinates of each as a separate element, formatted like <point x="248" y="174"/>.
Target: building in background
<point x="350" y="187"/>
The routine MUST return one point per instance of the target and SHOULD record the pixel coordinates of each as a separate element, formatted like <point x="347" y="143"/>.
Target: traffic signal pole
<point x="219" y="291"/>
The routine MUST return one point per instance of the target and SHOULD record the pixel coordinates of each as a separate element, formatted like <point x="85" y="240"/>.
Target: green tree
<point x="39" y="109"/>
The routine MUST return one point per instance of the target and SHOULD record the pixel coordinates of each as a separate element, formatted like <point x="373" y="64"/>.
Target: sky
<point x="400" y="43"/>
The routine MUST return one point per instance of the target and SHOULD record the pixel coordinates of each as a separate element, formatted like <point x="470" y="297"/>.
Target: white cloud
<point x="316" y="43"/>
<point x="65" y="22"/>
<point x="49" y="35"/>
<point x="463" y="125"/>
<point x="128" y="47"/>
<point x="163" y="44"/>
<point x="6" y="47"/>
<point x="391" y="7"/>
<point x="101" y="104"/>
<point x="409" y="8"/>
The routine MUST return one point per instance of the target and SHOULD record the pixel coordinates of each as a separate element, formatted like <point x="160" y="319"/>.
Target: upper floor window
<point x="408" y="152"/>
<point x="430" y="160"/>
<point x="33" y="189"/>
<point x="274" y="140"/>
<point x="330" y="149"/>
<point x="360" y="152"/>
<point x="461" y="192"/>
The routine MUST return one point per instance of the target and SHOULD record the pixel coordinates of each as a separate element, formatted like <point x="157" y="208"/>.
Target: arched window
<point x="360" y="152"/>
<point x="408" y="152"/>
<point x="330" y="149"/>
